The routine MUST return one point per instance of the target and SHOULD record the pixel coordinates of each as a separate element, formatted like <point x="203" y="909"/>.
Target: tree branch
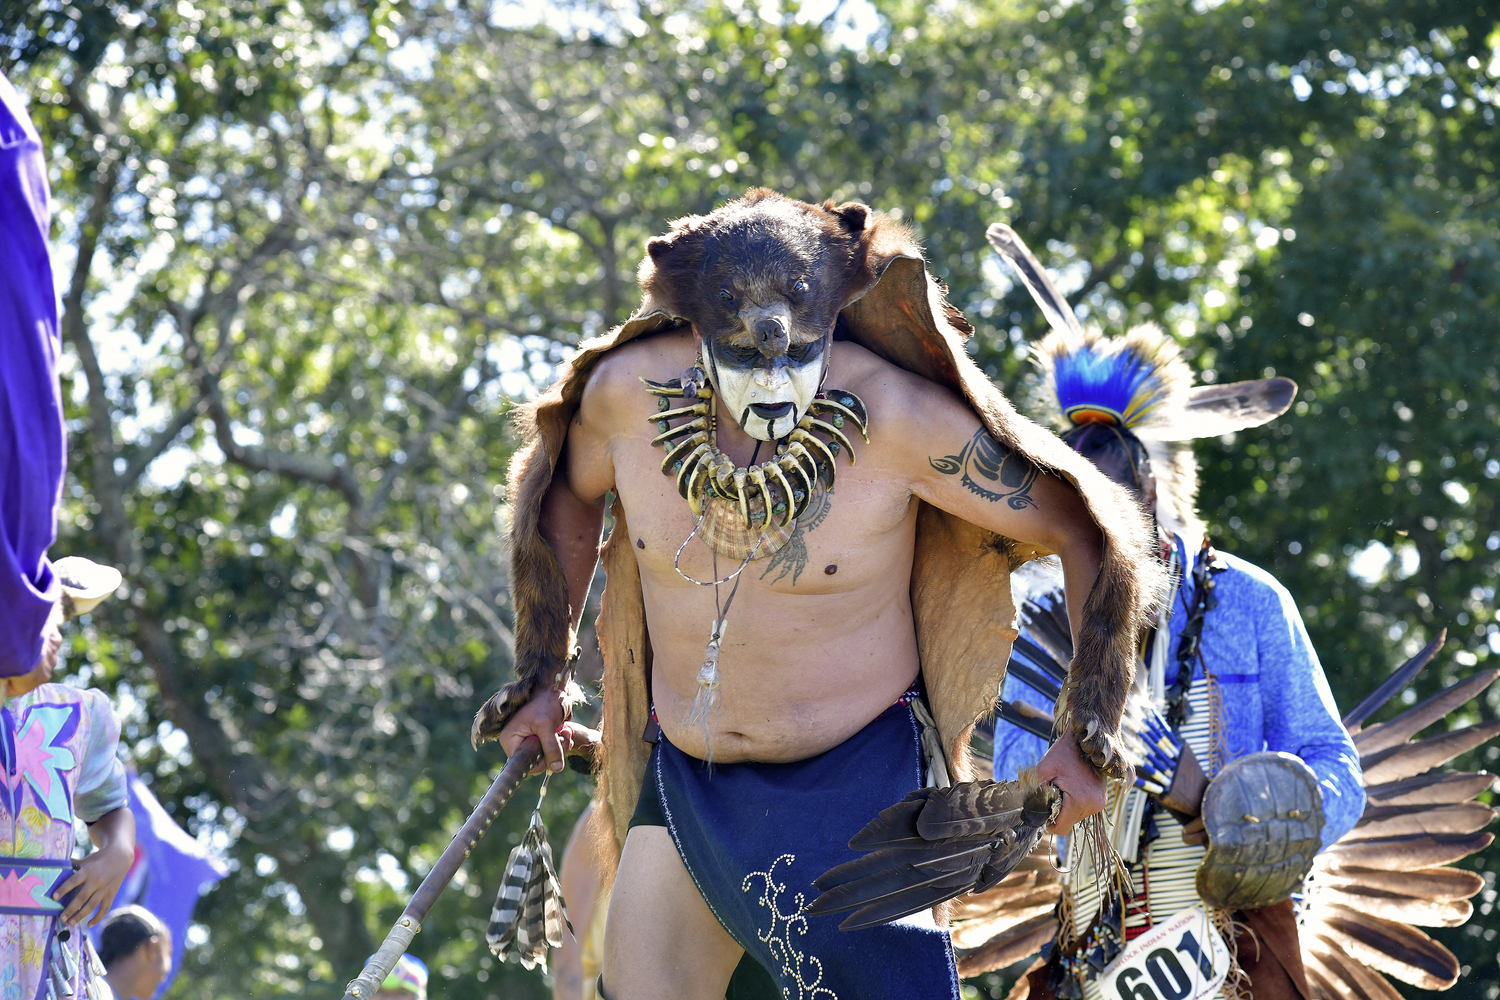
<point x="294" y="466"/>
<point x="158" y="444"/>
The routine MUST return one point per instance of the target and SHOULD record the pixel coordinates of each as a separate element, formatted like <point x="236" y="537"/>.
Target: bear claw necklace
<point x="744" y="513"/>
<point x="748" y="513"/>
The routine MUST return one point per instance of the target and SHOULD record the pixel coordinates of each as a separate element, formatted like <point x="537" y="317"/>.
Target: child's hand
<point x="97" y="879"/>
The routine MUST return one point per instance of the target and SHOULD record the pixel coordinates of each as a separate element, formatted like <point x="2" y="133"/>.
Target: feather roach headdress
<point x="1138" y="383"/>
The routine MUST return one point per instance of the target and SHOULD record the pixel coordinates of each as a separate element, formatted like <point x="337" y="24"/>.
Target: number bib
<point x="1182" y="958"/>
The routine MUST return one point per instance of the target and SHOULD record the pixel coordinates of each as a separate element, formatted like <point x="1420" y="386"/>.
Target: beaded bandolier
<point x="1095" y="926"/>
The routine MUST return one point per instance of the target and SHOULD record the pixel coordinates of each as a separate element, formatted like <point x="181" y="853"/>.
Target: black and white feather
<point x="529" y="914"/>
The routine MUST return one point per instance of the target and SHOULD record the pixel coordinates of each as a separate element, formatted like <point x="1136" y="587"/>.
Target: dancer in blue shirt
<point x="1229" y="689"/>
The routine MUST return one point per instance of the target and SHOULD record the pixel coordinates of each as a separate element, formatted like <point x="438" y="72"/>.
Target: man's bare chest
<point x="860" y="530"/>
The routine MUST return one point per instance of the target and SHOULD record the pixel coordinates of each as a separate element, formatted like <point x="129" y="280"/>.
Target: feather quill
<point x="1009" y="947"/>
<point x="1401" y="821"/>
<point x="1351" y="978"/>
<point x="1398" y="679"/>
<point x="1052" y="303"/>
<point x="974" y="934"/>
<point x="1436" y="884"/>
<point x="1402" y="908"/>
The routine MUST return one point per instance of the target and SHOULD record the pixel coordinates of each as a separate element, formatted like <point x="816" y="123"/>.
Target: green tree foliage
<point x="317" y="250"/>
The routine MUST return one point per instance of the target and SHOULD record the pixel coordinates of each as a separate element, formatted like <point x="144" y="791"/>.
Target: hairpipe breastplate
<point x="747" y="513"/>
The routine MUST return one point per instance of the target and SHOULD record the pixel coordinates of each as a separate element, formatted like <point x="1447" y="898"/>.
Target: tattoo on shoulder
<point x="792" y="557"/>
<point x="991" y="470"/>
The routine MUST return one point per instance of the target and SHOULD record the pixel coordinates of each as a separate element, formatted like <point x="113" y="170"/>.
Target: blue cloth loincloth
<point x="754" y="836"/>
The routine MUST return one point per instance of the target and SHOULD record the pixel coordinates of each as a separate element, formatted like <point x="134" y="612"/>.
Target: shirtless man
<point x="820" y="643"/>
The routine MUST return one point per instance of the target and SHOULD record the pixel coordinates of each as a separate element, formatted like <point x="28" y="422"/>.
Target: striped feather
<point x="1413" y="758"/>
<point x="1007" y="949"/>
<point x="1438" y="788"/>
<point x="505" y="916"/>
<point x="529" y="913"/>
<point x="1435" y="884"/>
<point x="1401" y="821"/>
<point x="1405" y="854"/>
<point x="1385" y="735"/>
<point x="973" y="809"/>
<point x="1387" y="946"/>
<point x="557" y="907"/>
<point x="531" y="944"/>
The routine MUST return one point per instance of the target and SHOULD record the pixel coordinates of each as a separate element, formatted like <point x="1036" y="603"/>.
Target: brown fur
<point x="722" y="270"/>
<point x="960" y="587"/>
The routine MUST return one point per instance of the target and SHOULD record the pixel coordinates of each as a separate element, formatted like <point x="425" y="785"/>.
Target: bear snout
<point x="771" y="336"/>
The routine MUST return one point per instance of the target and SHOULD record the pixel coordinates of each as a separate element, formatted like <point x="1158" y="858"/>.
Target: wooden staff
<point x="379" y="966"/>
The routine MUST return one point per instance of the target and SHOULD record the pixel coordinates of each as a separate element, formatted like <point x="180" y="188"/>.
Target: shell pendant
<point x="725" y="531"/>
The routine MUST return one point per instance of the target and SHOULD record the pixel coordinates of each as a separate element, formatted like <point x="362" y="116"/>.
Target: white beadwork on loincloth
<point x="787" y="928"/>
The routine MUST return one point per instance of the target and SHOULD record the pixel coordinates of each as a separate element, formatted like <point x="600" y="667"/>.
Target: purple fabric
<point x="171" y="870"/>
<point x="33" y="445"/>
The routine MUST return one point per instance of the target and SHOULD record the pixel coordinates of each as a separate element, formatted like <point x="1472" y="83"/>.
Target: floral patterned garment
<point x="57" y="761"/>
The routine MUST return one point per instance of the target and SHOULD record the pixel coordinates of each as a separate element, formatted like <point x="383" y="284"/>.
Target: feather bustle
<point x="1393" y="733"/>
<point x="1010" y="947"/>
<point x="1403" y="854"/>
<point x="1411" y="759"/>
<point x="1438" y="788"/>
<point x="1386" y="946"/>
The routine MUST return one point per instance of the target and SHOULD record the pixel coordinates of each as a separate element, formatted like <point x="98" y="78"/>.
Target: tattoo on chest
<point x="991" y="470"/>
<point x="792" y="557"/>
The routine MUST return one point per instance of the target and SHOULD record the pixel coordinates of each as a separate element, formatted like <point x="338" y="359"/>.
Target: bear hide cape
<point x="960" y="584"/>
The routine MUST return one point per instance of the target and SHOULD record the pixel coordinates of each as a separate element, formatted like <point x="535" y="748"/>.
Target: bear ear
<point x="661" y="246"/>
<point x="853" y="215"/>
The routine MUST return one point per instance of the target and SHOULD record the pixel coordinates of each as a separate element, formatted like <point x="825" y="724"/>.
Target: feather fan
<point x="934" y="845"/>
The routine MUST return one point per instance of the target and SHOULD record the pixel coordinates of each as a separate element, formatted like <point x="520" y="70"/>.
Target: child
<point x="58" y="751"/>
<point x="136" y="949"/>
